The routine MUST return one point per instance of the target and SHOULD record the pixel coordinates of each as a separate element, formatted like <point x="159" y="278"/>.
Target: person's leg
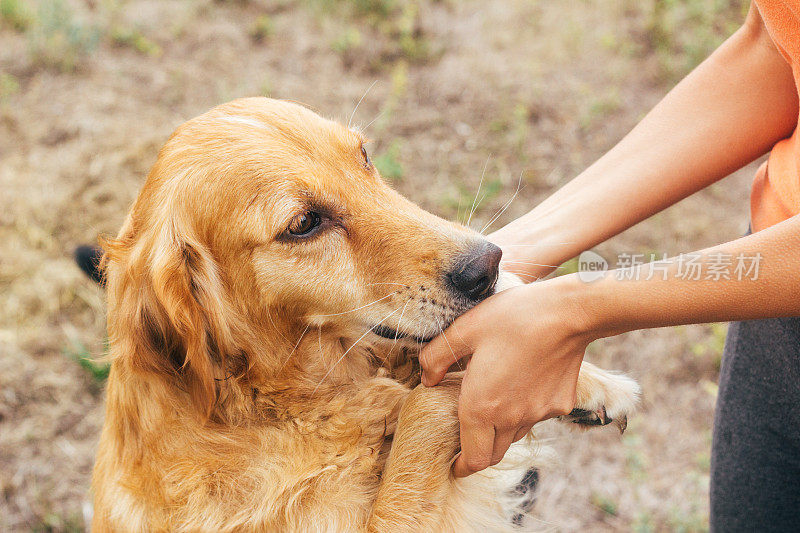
<point x="755" y="460"/>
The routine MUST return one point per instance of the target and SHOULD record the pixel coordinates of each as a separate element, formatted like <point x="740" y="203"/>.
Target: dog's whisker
<point x="457" y="362"/>
<point x="387" y="283"/>
<point x="474" y="207"/>
<point x="400" y="321"/>
<point x="524" y="275"/>
<point x="379" y="115"/>
<point x="277" y="329"/>
<point x="294" y="349"/>
<point x="480" y="200"/>
<point x="369" y="330"/>
<point x="350" y="121"/>
<point x="356" y="309"/>
<point x="461" y="337"/>
<point x="540" y="244"/>
<point x="508" y="203"/>
<point x="396" y="333"/>
<point x="441" y="332"/>
<point x="530" y="263"/>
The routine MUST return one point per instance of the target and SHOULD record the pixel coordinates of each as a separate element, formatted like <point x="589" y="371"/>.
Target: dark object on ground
<point x="88" y="259"/>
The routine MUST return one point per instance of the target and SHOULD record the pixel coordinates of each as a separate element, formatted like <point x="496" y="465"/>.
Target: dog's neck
<point x="322" y="360"/>
<point x="313" y="364"/>
<point x="318" y="364"/>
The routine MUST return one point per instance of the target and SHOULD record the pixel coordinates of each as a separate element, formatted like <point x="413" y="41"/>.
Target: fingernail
<point x="425" y="380"/>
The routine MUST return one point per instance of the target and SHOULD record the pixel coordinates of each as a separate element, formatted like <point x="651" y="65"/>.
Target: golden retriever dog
<point x="267" y="294"/>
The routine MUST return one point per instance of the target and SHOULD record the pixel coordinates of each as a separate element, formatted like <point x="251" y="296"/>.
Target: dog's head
<point x="260" y="215"/>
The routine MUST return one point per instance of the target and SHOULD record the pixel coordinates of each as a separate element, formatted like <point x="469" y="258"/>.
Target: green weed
<point x="397" y="22"/>
<point x="703" y="460"/>
<point x="605" y="504"/>
<point x="643" y="523"/>
<point x="568" y="267"/>
<point x="132" y="38"/>
<point x="635" y="459"/>
<point x="262" y="28"/>
<point x="713" y="345"/>
<point x="407" y="32"/>
<point x="600" y="108"/>
<point x="692" y="522"/>
<point x="515" y="123"/>
<point x="265" y="89"/>
<point x="388" y="163"/>
<point x="9" y="85"/>
<point x="348" y="41"/>
<point x="77" y="352"/>
<point x="462" y="200"/>
<point x="15" y="14"/>
<point x="682" y="34"/>
<point x="399" y="89"/>
<point x="57" y="40"/>
<point x="52" y="522"/>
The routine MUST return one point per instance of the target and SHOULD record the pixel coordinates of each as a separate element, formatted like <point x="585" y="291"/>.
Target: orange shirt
<point x="776" y="188"/>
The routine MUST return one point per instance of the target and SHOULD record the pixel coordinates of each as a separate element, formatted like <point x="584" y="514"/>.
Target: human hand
<point x="527" y="344"/>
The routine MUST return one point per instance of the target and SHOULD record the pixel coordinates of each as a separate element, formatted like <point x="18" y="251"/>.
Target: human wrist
<point x="581" y="316"/>
<point x="616" y="303"/>
<point x="595" y="308"/>
<point x="532" y="246"/>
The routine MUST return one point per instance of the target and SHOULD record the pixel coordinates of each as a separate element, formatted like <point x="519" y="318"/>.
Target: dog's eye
<point x="366" y="156"/>
<point x="304" y="224"/>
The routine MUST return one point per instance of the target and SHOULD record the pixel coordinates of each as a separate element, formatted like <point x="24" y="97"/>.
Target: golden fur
<point x="246" y="390"/>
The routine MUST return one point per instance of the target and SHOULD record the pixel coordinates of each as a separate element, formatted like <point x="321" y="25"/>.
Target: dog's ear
<point x="88" y="259"/>
<point x="166" y="305"/>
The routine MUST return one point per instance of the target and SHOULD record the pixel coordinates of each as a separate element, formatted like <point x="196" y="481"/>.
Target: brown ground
<point x="90" y="89"/>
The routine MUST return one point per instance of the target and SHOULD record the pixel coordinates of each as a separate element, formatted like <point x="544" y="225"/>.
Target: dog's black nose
<point x="475" y="273"/>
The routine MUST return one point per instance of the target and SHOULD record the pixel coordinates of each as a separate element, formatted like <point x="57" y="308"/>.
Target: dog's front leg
<point x="417" y="473"/>
<point x="603" y="397"/>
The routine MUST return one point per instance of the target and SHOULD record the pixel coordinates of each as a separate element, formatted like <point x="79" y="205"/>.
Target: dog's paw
<point x="603" y="398"/>
<point x="586" y="417"/>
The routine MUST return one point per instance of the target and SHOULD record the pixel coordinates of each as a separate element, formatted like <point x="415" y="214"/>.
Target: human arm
<point x="730" y="110"/>
<point x="527" y="343"/>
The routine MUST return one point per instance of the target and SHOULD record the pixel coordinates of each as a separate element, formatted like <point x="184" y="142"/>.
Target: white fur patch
<point x="487" y="501"/>
<point x="249" y="121"/>
<point x="507" y="280"/>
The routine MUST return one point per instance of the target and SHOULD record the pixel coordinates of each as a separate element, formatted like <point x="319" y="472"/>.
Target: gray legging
<point x="755" y="459"/>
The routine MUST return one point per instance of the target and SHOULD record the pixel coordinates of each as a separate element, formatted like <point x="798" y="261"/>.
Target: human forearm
<point x="527" y="342"/>
<point x="659" y="294"/>
<point x="726" y="113"/>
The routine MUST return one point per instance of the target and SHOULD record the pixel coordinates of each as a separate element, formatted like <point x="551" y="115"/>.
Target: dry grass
<point x="89" y="91"/>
